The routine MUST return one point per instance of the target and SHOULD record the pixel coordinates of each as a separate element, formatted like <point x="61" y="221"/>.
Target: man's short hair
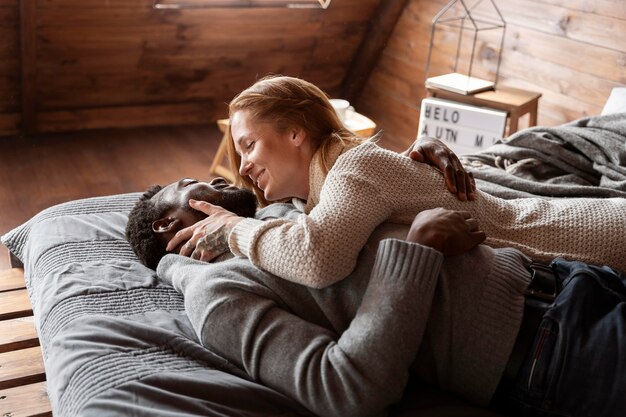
<point x="144" y="241"/>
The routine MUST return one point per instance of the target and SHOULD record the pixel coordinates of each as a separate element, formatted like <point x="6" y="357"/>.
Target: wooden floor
<point x="36" y="173"/>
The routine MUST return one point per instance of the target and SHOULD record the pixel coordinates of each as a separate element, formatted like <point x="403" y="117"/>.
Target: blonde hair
<point x="286" y="102"/>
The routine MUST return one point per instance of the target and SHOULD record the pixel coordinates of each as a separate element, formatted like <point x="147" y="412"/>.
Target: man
<point x="347" y="349"/>
<point x="160" y="213"/>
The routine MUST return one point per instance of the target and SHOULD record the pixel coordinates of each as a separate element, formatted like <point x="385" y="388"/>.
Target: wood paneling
<point x="28" y="51"/>
<point x="12" y="279"/>
<point x="21" y="364"/>
<point x="10" y="123"/>
<point x="573" y="52"/>
<point x="126" y="116"/>
<point x="85" y="63"/>
<point x="26" y="401"/>
<point x="21" y="367"/>
<point x="18" y="333"/>
<point x="10" y="93"/>
<point x="14" y="304"/>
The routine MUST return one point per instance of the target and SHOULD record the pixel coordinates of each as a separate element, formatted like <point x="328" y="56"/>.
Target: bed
<point x="116" y="341"/>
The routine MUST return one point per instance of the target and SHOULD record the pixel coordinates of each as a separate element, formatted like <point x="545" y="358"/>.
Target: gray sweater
<point x="347" y="349"/>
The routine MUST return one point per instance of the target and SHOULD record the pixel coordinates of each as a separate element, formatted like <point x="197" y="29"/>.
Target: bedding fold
<point x="584" y="158"/>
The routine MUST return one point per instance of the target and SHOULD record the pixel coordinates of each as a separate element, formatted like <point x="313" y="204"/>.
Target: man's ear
<point x="165" y="224"/>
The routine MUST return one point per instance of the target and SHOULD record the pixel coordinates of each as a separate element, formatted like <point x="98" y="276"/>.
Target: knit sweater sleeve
<point x="321" y="248"/>
<point x="357" y="373"/>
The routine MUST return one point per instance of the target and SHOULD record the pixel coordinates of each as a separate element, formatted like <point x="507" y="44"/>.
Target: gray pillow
<point x="91" y="209"/>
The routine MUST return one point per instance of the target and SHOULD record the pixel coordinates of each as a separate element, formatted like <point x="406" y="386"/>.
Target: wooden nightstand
<point x="514" y="101"/>
<point x="357" y="123"/>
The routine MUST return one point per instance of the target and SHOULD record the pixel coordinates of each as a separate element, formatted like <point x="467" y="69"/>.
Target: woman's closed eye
<point x="250" y="144"/>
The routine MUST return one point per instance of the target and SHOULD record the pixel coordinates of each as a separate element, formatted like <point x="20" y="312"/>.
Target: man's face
<point x="218" y="192"/>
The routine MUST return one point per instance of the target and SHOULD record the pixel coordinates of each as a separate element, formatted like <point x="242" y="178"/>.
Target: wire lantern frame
<point x="474" y="24"/>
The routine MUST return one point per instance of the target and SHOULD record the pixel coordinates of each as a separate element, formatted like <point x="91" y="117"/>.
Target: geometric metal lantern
<point x="482" y="16"/>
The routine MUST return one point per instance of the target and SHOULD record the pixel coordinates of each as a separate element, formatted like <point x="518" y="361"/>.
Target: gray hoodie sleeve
<point x="357" y="373"/>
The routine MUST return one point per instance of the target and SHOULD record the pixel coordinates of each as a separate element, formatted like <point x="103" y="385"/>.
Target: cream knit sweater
<point x="368" y="185"/>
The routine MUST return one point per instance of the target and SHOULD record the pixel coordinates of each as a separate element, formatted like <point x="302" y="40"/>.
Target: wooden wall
<point x="119" y="63"/>
<point x="10" y="97"/>
<point x="571" y="51"/>
<point x="80" y="64"/>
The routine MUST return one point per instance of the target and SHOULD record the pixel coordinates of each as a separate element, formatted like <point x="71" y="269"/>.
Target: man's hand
<point x="208" y="238"/>
<point x="435" y="153"/>
<point x="448" y="231"/>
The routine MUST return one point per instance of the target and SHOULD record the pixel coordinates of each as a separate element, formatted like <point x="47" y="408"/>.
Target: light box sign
<point x="465" y="129"/>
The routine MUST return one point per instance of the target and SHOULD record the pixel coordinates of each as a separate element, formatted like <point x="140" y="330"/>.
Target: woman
<point x="290" y="144"/>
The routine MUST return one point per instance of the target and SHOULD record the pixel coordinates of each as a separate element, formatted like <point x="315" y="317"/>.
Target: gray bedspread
<point x="584" y="158"/>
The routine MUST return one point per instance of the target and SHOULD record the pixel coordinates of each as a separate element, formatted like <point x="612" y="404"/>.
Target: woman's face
<point x="278" y="163"/>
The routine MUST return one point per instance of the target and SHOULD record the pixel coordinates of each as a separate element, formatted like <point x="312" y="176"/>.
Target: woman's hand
<point x="448" y="231"/>
<point x="208" y="238"/>
<point x="434" y="152"/>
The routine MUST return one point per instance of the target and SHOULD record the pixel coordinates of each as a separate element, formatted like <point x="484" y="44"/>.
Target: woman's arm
<point x="433" y="152"/>
<point x="367" y="186"/>
<point x="319" y="248"/>
<point x="208" y="238"/>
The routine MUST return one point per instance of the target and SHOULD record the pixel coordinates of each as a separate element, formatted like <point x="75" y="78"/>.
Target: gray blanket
<point x="584" y="158"/>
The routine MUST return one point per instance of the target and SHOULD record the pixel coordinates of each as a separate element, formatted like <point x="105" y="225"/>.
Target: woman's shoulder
<point x="368" y="150"/>
<point x="368" y="154"/>
<point x="370" y="162"/>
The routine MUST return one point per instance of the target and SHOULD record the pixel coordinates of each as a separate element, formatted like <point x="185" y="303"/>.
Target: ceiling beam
<point x="371" y="47"/>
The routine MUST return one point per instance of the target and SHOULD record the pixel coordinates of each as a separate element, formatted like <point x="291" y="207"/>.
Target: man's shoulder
<point x="216" y="277"/>
<point x="278" y="211"/>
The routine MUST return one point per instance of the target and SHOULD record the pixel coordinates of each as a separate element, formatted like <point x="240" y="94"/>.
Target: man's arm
<point x="448" y="231"/>
<point x="359" y="372"/>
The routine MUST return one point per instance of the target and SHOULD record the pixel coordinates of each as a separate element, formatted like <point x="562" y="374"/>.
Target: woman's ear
<point x="298" y="136"/>
<point x="165" y="224"/>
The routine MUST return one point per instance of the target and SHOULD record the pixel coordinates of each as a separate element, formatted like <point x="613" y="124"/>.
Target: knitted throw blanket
<point x="584" y="158"/>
